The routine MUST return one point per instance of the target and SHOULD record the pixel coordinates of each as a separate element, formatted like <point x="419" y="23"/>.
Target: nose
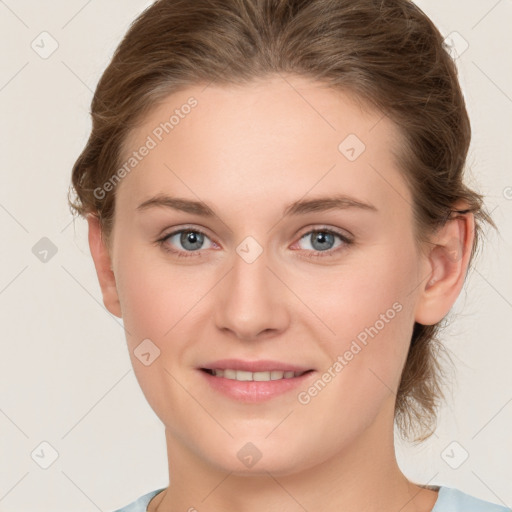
<point x="251" y="302"/>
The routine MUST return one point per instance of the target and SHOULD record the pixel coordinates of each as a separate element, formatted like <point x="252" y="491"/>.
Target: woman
<point x="276" y="207"/>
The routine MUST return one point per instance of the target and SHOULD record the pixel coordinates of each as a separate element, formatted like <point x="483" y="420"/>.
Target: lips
<point x="254" y="381"/>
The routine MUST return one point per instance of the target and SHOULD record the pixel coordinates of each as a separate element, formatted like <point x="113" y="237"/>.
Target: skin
<point x="248" y="152"/>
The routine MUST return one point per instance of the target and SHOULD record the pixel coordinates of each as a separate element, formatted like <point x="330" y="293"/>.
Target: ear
<point x="446" y="265"/>
<point x="103" y="264"/>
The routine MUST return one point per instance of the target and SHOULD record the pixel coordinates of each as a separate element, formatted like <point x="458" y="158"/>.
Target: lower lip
<point x="254" y="391"/>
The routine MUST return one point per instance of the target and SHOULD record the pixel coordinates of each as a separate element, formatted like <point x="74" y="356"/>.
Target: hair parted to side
<point x="385" y="52"/>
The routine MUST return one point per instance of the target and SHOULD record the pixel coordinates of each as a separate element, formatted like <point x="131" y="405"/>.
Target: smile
<point x="264" y="376"/>
<point x="261" y="385"/>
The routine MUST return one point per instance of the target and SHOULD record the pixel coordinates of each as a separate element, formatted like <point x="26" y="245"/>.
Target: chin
<point x="260" y="457"/>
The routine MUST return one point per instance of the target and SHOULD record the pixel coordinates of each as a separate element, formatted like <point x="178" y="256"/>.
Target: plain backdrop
<point x="65" y="376"/>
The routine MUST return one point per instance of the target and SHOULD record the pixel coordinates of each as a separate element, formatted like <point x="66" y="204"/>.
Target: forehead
<point x="281" y="137"/>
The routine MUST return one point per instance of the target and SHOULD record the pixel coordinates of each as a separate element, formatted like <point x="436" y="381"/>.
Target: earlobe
<point x="447" y="264"/>
<point x="103" y="265"/>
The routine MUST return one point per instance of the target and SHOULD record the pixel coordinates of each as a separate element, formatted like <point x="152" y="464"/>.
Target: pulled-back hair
<point x="385" y="52"/>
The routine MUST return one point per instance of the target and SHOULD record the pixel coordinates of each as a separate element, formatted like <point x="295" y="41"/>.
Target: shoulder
<point x="141" y="504"/>
<point x="453" y="500"/>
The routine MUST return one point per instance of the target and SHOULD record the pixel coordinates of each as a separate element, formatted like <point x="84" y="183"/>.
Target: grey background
<point x="65" y="374"/>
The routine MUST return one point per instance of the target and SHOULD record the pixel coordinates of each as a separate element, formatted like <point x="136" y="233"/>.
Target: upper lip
<point x="254" y="366"/>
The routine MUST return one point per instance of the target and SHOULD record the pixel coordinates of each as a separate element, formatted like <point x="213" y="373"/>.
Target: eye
<point x="321" y="242"/>
<point x="190" y="240"/>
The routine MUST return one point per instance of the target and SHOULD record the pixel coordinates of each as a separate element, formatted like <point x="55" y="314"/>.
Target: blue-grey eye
<point x="189" y="240"/>
<point x="321" y="240"/>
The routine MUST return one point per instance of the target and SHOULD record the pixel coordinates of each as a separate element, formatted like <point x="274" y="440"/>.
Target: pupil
<point x="322" y="238"/>
<point x="192" y="238"/>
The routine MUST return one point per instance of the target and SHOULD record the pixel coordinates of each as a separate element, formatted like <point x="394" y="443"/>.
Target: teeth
<point x="242" y="375"/>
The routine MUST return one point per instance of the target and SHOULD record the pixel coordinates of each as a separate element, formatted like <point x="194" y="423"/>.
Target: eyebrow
<point x="300" y="207"/>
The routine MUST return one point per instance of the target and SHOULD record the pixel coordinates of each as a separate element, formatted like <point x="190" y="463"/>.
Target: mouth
<point x="252" y="382"/>
<point x="261" y="376"/>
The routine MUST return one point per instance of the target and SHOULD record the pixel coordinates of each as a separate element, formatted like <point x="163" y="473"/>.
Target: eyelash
<point x="314" y="254"/>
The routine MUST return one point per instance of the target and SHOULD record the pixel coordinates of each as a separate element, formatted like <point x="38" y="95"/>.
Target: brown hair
<point x="387" y="52"/>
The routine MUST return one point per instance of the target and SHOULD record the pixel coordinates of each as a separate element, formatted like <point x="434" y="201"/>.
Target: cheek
<point x="154" y="294"/>
<point x="369" y="309"/>
<point x="351" y="297"/>
<point x="364" y="360"/>
<point x="157" y="302"/>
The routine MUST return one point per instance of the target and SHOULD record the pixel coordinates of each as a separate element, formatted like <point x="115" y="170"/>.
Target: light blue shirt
<point x="448" y="500"/>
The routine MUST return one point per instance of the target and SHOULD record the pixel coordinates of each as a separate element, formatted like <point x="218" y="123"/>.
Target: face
<point x="291" y="250"/>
